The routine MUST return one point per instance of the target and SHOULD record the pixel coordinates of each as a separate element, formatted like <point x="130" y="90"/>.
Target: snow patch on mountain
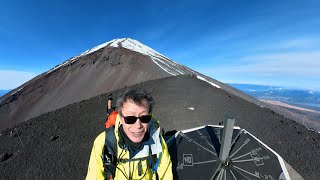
<point x="74" y="58"/>
<point x="137" y="46"/>
<point x="16" y="91"/>
<point x="171" y="67"/>
<point x="162" y="61"/>
<point x="203" y="79"/>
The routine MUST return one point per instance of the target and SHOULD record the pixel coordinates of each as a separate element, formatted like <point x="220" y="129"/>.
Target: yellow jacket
<point x="96" y="169"/>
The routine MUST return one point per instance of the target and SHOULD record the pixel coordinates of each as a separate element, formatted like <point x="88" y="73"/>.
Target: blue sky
<point x="253" y="42"/>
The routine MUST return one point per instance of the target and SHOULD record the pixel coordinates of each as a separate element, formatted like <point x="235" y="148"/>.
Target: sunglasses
<point x="133" y="119"/>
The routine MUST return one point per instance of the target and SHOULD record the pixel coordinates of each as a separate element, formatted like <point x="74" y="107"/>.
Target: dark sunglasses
<point x="133" y="119"/>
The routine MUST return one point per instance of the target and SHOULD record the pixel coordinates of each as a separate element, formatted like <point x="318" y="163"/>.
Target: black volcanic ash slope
<point x="99" y="72"/>
<point x="57" y="145"/>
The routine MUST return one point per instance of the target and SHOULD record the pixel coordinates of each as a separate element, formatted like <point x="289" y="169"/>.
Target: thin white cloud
<point x="299" y="43"/>
<point x="286" y="69"/>
<point x="10" y="79"/>
<point x="300" y="64"/>
<point x="289" y="45"/>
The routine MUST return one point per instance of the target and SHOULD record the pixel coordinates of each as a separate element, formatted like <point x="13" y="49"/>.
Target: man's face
<point x="136" y="131"/>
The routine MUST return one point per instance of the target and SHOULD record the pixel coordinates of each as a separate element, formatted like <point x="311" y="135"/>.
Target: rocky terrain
<point x="57" y="144"/>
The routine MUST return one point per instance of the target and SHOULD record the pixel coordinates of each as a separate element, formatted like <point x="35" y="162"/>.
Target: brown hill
<point x="102" y="71"/>
<point x="112" y="65"/>
<point x="57" y="145"/>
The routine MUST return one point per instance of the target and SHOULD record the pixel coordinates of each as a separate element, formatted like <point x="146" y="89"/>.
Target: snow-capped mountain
<point x="165" y="63"/>
<point x="112" y="65"/>
<point x="104" y="68"/>
<point x="162" y="61"/>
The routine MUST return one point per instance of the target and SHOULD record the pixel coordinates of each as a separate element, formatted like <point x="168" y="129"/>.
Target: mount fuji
<point x="115" y="64"/>
<point x="49" y="123"/>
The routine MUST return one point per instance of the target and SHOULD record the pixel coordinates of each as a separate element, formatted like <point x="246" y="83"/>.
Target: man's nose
<point x="138" y="123"/>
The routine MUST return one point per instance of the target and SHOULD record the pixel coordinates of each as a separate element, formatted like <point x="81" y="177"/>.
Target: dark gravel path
<point x="57" y="145"/>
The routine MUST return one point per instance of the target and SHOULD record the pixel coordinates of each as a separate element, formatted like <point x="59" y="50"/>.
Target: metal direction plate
<point x="195" y="154"/>
<point x="249" y="159"/>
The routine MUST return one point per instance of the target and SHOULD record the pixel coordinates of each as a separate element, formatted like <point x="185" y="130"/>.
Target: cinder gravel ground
<point x="57" y="145"/>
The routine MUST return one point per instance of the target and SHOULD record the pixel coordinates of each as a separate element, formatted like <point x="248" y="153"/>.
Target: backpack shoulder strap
<point x="109" y="153"/>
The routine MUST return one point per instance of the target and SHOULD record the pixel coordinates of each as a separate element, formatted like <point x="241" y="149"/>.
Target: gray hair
<point x="139" y="97"/>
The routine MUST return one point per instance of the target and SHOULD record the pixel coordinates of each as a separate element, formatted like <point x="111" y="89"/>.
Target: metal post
<point x="226" y="140"/>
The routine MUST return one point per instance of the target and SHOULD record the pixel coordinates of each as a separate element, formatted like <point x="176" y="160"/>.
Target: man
<point x="110" y="107"/>
<point x="141" y="152"/>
